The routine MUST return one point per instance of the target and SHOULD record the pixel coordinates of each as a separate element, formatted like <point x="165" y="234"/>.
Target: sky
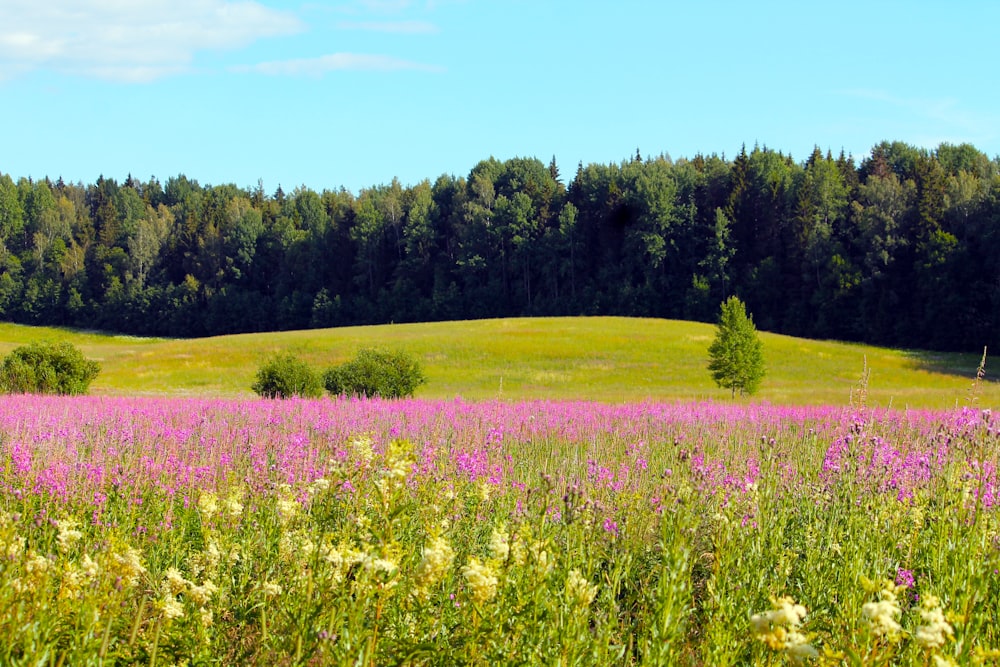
<point x="354" y="93"/>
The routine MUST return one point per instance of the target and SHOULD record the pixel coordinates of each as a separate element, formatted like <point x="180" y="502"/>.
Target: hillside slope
<point x="582" y="358"/>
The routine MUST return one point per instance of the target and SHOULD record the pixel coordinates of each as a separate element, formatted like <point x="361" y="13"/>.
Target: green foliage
<point x="736" y="356"/>
<point x="47" y="368"/>
<point x="388" y="374"/>
<point x="285" y="376"/>
<point x="896" y="250"/>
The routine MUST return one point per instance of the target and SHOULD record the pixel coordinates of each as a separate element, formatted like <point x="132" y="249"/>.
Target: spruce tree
<point x="736" y="356"/>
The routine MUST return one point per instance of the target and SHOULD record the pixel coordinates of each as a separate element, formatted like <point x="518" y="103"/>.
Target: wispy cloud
<point x="938" y="119"/>
<point x="128" y="41"/>
<point x="399" y="27"/>
<point x="386" y="6"/>
<point x="316" y="67"/>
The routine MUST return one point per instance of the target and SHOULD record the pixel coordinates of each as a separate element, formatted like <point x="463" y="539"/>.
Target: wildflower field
<point x="343" y="532"/>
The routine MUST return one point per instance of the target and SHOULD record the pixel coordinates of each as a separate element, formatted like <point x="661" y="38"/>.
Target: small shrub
<point x="284" y="376"/>
<point x="375" y="373"/>
<point x="47" y="368"/>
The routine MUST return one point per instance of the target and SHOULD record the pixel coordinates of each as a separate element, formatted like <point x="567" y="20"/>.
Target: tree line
<point x="899" y="249"/>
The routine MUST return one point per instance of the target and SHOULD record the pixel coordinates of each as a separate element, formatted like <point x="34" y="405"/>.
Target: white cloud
<point x="128" y="40"/>
<point x="333" y="62"/>
<point x="386" y="6"/>
<point x="399" y="27"/>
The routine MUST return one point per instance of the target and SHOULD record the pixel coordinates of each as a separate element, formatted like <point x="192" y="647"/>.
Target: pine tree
<point x="736" y="356"/>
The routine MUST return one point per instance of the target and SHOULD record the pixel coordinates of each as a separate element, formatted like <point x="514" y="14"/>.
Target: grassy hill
<point x="596" y="358"/>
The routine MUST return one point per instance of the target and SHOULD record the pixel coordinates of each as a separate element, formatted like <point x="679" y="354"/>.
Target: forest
<point x="898" y="249"/>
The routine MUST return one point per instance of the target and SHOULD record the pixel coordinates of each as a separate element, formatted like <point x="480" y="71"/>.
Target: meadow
<point x="656" y="529"/>
<point x="346" y="532"/>
<point x="607" y="359"/>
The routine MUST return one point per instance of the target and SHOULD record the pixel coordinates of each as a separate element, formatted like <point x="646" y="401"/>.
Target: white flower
<point x="381" y="566"/>
<point x="883" y="615"/>
<point x="171" y="607"/>
<point x="788" y="613"/>
<point x="934" y="630"/>
<point x="797" y="647"/>
<point x="319" y="485"/>
<point x="779" y="629"/>
<point x="174" y="582"/>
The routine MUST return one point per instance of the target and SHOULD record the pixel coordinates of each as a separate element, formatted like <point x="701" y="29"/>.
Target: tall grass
<point x="158" y="531"/>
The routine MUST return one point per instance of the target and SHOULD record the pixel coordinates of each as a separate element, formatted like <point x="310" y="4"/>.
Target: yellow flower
<point x="208" y="504"/>
<point x="499" y="545"/>
<point x="481" y="579"/>
<point x="296" y="546"/>
<point x="171" y="607"/>
<point x="437" y="558"/>
<point x="271" y="589"/>
<point x="174" y="582"/>
<point x="362" y="450"/>
<point x="543" y="561"/>
<point x="72" y="581"/>
<point x="68" y="534"/>
<point x="234" y="507"/>
<point x="779" y="629"/>
<point x="981" y="656"/>
<point x="89" y="567"/>
<point x="287" y="509"/>
<point x="379" y="566"/>
<point x="36" y="565"/>
<point x="127" y="565"/>
<point x="202" y="595"/>
<point x="15" y="548"/>
<point x="398" y="461"/>
<point x="484" y="491"/>
<point x="579" y="591"/>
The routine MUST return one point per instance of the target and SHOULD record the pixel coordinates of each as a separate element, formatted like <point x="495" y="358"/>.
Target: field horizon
<point x="606" y="359"/>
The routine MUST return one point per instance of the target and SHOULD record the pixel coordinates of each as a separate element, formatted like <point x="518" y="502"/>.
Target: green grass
<point x="595" y="358"/>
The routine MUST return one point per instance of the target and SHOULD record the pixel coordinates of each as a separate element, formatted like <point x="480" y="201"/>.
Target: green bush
<point x="375" y="373"/>
<point x="47" y="368"/>
<point x="284" y="376"/>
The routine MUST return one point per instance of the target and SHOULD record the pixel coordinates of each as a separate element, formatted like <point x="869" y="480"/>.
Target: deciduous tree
<point x="736" y="356"/>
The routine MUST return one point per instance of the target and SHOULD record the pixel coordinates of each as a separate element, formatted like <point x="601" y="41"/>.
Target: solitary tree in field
<point x="736" y="356"/>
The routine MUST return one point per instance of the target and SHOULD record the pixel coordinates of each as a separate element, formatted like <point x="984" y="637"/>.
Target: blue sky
<point x="354" y="93"/>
